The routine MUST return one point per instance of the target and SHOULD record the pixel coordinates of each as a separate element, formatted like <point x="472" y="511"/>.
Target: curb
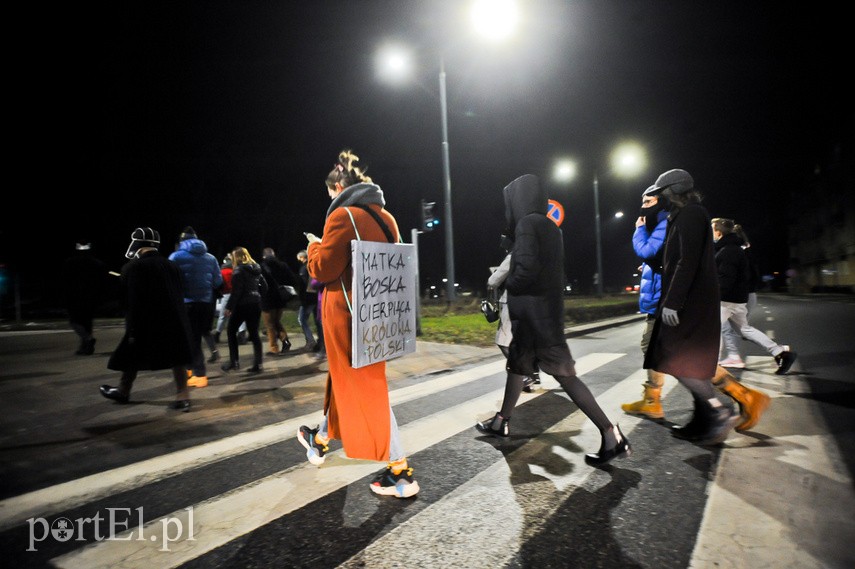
<point x="597" y="325"/>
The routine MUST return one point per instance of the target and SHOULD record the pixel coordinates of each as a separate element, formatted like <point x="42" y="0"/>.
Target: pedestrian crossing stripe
<point x="228" y="516"/>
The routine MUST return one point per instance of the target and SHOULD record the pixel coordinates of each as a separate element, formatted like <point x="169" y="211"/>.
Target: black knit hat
<point x="142" y="237"/>
<point x="187" y="233"/>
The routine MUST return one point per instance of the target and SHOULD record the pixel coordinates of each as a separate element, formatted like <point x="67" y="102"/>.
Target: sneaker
<point x="314" y="452"/>
<point x="785" y="361"/>
<point x="215" y="357"/>
<point x="732" y="362"/>
<point x="536" y="378"/>
<point x="197" y="381"/>
<point x="527" y="384"/>
<point x="182" y="405"/>
<point x="486" y="427"/>
<point x="399" y="485"/>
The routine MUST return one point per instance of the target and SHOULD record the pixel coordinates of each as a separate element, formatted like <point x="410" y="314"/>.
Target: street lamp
<point x="494" y="20"/>
<point x="627" y="160"/>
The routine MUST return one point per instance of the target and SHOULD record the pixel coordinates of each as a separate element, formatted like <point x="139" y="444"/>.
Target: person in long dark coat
<point x="157" y="331"/>
<point x="535" y="287"/>
<point x="686" y="335"/>
<point x="84" y="280"/>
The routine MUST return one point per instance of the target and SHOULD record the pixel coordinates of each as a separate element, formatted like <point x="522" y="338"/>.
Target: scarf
<point x="358" y="194"/>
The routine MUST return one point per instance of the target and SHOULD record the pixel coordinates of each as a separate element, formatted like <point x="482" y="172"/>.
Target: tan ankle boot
<point x="752" y="403"/>
<point x="649" y="406"/>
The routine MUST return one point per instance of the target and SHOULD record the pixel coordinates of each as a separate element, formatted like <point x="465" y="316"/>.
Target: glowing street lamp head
<point x="629" y="159"/>
<point x="394" y="64"/>
<point x="564" y="171"/>
<point x="495" y="20"/>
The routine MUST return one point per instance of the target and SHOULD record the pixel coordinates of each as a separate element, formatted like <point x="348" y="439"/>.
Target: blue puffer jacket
<point x="647" y="246"/>
<point x="200" y="271"/>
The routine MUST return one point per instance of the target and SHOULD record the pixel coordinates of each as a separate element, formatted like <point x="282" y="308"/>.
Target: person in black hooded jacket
<point x="535" y="286"/>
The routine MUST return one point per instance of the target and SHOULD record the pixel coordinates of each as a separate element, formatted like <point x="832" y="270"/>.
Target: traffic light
<point x="429" y="218"/>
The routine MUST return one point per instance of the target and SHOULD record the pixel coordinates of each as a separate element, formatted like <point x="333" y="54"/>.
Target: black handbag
<point x="490" y="307"/>
<point x="286" y="293"/>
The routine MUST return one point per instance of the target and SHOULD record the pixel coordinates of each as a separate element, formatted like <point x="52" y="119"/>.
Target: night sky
<point x="227" y="116"/>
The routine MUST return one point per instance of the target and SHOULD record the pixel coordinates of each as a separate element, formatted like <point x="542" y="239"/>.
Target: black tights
<point x="573" y="387"/>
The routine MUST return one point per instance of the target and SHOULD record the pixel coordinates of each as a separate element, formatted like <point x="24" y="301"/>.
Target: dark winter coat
<point x="308" y="293"/>
<point x="732" y="265"/>
<point x="84" y="283"/>
<point x="200" y="271"/>
<point x="689" y="286"/>
<point x="276" y="272"/>
<point x="248" y="286"/>
<point x="535" y="281"/>
<point x="157" y="332"/>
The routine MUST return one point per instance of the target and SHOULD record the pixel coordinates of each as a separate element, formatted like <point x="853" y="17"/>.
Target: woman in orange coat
<point x="356" y="404"/>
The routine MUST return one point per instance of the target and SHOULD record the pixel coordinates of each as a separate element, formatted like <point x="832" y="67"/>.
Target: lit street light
<point x="494" y="20"/>
<point x="627" y="160"/>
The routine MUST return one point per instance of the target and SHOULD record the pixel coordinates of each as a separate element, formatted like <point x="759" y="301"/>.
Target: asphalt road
<point x="227" y="485"/>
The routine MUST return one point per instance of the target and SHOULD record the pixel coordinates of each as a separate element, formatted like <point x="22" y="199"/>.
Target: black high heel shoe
<point x="114" y="394"/>
<point x="603" y="457"/>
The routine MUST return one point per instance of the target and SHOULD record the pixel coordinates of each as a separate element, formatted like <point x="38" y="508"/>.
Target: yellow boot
<point x="650" y="405"/>
<point x="197" y="381"/>
<point x="752" y="403"/>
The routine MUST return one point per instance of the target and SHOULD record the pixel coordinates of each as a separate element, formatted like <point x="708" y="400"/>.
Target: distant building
<point x="822" y="227"/>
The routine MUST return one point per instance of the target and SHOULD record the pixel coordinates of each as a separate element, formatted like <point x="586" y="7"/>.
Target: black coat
<point x="535" y="281"/>
<point x="732" y="265"/>
<point x="84" y="283"/>
<point x="157" y="332"/>
<point x="689" y="286"/>
<point x="248" y="286"/>
<point x="276" y="272"/>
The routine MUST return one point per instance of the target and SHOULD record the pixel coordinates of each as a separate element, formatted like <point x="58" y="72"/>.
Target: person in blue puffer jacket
<point x="200" y="277"/>
<point x="648" y="239"/>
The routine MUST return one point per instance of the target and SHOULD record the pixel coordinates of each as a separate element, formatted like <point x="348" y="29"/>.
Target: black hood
<point x="523" y="196"/>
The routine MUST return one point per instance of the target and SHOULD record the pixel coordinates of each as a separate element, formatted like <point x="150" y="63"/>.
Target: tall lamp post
<point x="450" y="293"/>
<point x="628" y="159"/>
<point x="494" y="20"/>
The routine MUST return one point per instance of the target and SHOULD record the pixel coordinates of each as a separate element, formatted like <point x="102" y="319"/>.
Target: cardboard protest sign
<point x="384" y="301"/>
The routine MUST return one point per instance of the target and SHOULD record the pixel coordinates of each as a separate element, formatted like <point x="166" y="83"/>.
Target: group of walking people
<point x="160" y="331"/>
<point x="680" y="294"/>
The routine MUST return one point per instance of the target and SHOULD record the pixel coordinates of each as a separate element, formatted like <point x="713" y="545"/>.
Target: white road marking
<point x="228" y="516"/>
<point x="71" y="494"/>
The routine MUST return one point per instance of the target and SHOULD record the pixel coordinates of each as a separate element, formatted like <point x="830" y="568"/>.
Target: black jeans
<point x="251" y="314"/>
